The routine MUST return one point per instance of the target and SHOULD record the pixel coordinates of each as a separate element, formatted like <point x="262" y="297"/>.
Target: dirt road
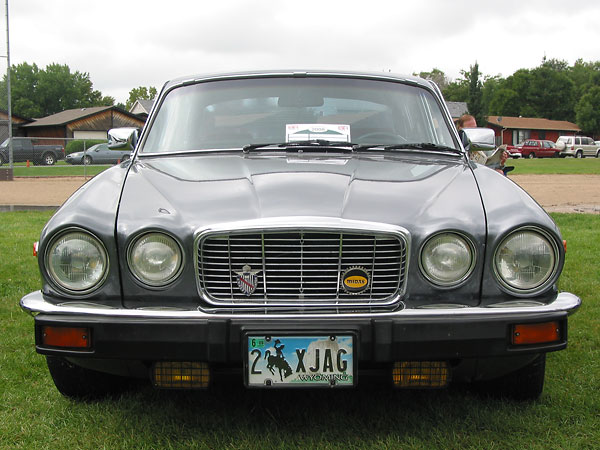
<point x="556" y="193"/>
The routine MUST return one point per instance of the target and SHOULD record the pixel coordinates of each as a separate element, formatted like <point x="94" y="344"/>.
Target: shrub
<point x="80" y="144"/>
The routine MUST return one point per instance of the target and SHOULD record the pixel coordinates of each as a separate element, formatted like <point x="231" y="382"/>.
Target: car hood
<point x="207" y="189"/>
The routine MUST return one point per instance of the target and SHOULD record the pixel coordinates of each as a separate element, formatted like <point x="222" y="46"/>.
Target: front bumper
<point x="409" y="334"/>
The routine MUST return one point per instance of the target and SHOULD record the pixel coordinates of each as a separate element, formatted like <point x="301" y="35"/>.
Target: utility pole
<point x="10" y="142"/>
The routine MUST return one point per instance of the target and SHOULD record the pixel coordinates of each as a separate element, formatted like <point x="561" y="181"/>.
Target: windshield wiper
<point x="311" y="143"/>
<point x="410" y="146"/>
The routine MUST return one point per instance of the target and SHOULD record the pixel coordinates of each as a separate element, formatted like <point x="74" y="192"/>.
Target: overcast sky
<point x="129" y="43"/>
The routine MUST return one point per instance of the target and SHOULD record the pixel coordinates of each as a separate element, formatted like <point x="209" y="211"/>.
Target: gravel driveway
<point x="556" y="193"/>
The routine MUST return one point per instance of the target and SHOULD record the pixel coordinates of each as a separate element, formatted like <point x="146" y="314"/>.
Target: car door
<point x="549" y="149"/>
<point x="588" y="146"/>
<point x="102" y="154"/>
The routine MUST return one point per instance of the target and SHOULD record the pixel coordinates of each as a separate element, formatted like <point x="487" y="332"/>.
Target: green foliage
<point x="80" y="145"/>
<point x="140" y="93"/>
<point x="41" y="92"/>
<point x="588" y="111"/>
<point x="475" y="97"/>
<point x="553" y="90"/>
<point x="437" y="76"/>
<point x="456" y="91"/>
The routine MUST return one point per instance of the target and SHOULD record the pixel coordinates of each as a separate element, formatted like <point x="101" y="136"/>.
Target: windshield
<point x="238" y="113"/>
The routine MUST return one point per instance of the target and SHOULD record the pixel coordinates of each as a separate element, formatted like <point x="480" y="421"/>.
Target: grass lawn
<point x="35" y="416"/>
<point x="60" y="169"/>
<point x="555" y="166"/>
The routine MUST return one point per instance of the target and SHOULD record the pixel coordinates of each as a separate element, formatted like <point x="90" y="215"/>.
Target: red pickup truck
<point x="539" y="148"/>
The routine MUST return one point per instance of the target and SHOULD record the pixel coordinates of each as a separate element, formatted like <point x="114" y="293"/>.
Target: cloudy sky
<point x="128" y="43"/>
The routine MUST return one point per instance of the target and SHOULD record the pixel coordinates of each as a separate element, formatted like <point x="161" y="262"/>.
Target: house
<point x="515" y="130"/>
<point x="457" y="109"/>
<point x="17" y="121"/>
<point x="142" y="108"/>
<point x="82" y="123"/>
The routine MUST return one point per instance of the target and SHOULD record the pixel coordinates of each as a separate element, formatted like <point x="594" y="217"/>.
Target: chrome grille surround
<point x="300" y="261"/>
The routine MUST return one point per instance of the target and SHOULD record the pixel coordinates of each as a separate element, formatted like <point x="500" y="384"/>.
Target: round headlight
<point x="155" y="259"/>
<point x="525" y="260"/>
<point x="76" y="261"/>
<point x="447" y="259"/>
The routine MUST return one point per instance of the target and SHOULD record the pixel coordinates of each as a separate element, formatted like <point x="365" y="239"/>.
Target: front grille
<point x="299" y="267"/>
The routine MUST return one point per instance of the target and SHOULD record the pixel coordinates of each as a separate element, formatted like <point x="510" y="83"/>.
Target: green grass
<point x="60" y="169"/>
<point x="33" y="415"/>
<point x="555" y="166"/>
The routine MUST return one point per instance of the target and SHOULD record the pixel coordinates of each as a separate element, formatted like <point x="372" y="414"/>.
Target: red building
<point x="515" y="130"/>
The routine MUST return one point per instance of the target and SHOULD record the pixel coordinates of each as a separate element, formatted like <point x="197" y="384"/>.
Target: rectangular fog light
<point x="180" y="375"/>
<point x="421" y="374"/>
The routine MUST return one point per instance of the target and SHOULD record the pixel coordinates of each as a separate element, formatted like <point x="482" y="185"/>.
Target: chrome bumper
<point x="34" y="303"/>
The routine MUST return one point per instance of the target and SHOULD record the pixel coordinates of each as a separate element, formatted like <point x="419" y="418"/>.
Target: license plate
<point x="296" y="361"/>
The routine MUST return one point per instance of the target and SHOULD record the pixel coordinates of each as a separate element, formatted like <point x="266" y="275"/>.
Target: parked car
<point x="514" y="151"/>
<point x="577" y="146"/>
<point x="300" y="229"/>
<point x="26" y="149"/>
<point x="538" y="148"/>
<point x="99" y="154"/>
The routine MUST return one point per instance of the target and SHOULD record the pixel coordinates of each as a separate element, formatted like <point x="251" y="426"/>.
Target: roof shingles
<point x="531" y="123"/>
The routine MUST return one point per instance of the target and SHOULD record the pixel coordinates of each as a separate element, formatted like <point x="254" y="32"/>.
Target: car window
<point x="235" y="113"/>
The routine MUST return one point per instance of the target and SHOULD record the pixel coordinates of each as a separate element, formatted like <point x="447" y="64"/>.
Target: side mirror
<point x="123" y="137"/>
<point x="478" y="139"/>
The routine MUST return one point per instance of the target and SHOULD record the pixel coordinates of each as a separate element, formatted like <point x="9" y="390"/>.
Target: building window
<point x="520" y="136"/>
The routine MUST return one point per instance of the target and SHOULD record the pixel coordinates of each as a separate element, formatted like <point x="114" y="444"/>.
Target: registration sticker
<point x="286" y="361"/>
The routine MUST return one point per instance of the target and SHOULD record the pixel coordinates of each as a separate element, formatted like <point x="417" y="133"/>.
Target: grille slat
<point x="292" y="267"/>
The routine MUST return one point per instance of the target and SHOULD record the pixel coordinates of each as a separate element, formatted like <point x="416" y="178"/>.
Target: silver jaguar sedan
<point x="298" y="229"/>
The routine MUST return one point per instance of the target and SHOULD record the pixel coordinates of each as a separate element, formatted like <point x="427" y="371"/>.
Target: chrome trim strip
<point x="302" y="223"/>
<point x="34" y="303"/>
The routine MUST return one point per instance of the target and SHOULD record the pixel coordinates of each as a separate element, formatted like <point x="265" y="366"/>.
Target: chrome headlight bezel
<point x="136" y="273"/>
<point x="543" y="284"/>
<point x="466" y="273"/>
<point x="53" y="277"/>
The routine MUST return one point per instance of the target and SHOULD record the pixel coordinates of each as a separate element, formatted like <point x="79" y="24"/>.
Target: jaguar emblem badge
<point x="247" y="280"/>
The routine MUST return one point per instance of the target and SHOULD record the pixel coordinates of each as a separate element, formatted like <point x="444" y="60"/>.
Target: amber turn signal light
<point x="68" y="337"/>
<point x="535" y="333"/>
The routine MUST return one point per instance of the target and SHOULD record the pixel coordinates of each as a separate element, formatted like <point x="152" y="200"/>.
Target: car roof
<point x="383" y="76"/>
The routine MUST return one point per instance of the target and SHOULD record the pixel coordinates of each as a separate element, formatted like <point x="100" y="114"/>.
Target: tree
<point x="437" y="76"/>
<point x="505" y="102"/>
<point x="475" y="95"/>
<point x="456" y="91"/>
<point x="468" y="89"/>
<point x="41" y="92"/>
<point x="588" y="111"/>
<point x="140" y="93"/>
